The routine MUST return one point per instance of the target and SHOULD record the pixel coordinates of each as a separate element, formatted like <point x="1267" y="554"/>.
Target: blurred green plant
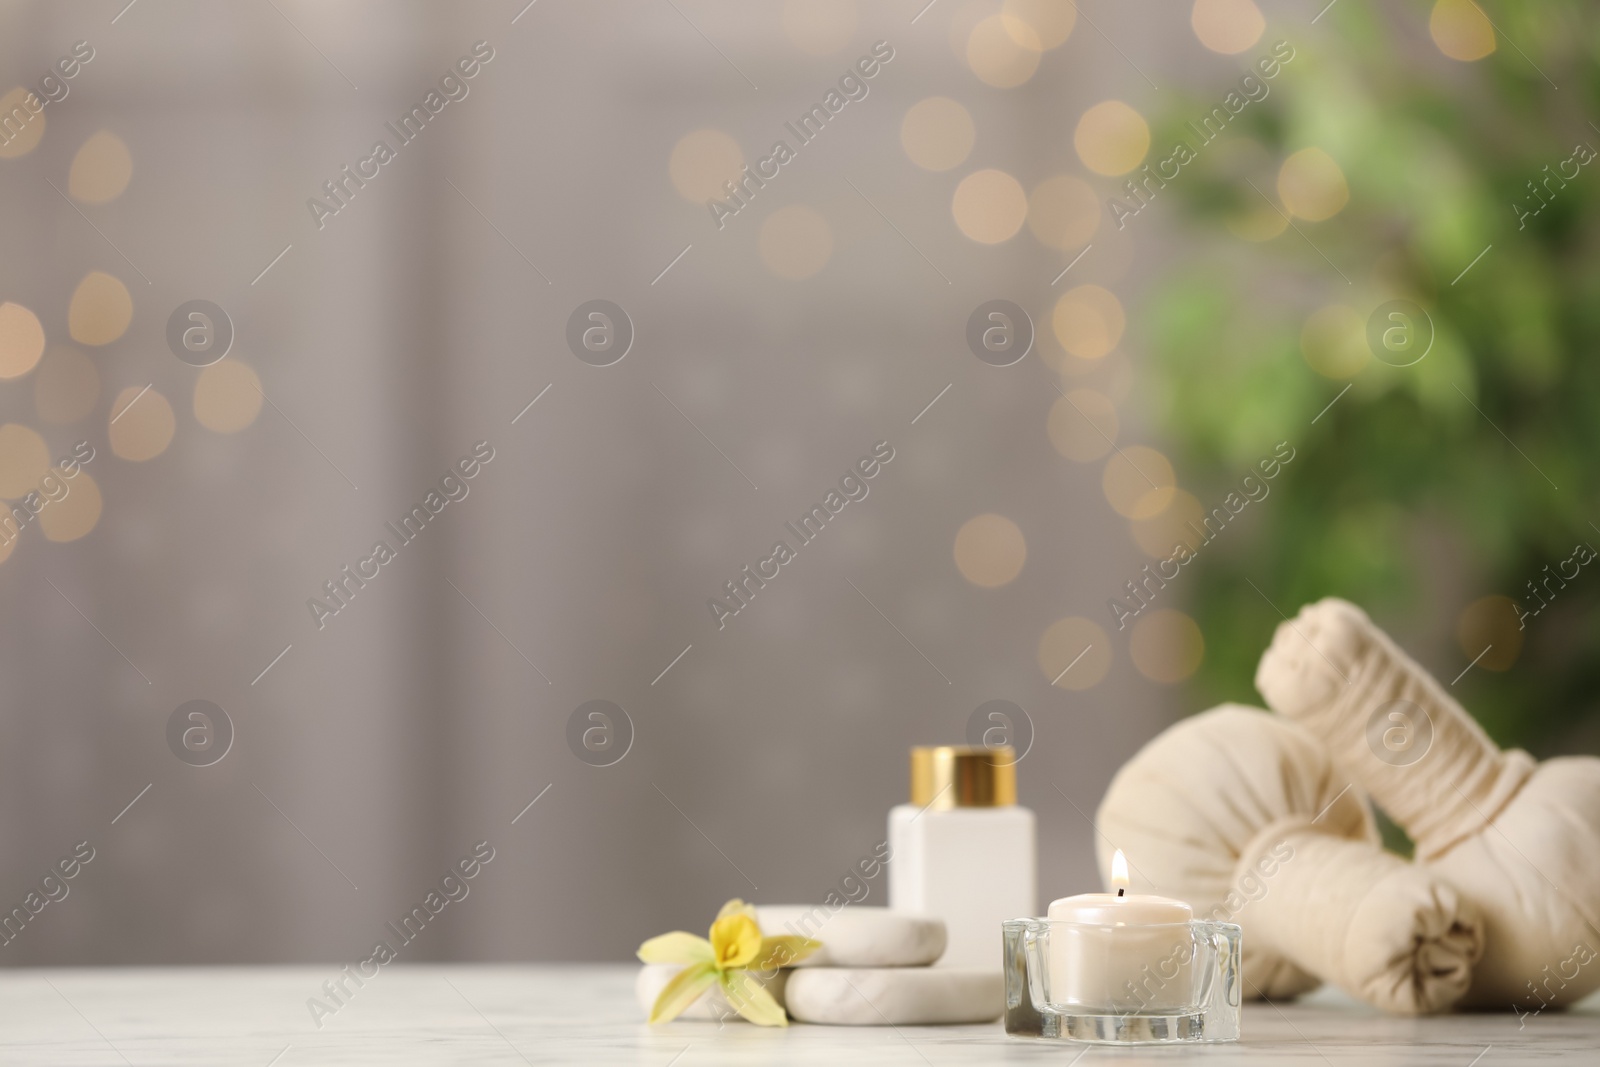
<point x="1429" y="487"/>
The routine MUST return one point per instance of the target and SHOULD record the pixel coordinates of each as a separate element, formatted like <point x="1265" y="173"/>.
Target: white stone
<point x="712" y="1005"/>
<point x="853" y="936"/>
<point x="895" y="996"/>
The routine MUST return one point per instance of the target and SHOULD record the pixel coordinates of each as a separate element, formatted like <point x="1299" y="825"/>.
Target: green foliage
<point x="1408" y="496"/>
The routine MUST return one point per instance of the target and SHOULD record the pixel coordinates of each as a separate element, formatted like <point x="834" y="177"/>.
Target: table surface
<point x="256" y="1016"/>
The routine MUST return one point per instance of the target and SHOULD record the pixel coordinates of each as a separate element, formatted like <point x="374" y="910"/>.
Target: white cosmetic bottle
<point x="963" y="849"/>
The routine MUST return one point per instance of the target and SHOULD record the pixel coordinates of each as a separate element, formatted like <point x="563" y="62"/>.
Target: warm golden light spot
<point x="1227" y="26"/>
<point x="21" y="125"/>
<point x="1138" y="482"/>
<point x="24" y="459"/>
<point x="76" y="513"/>
<point x="702" y="162"/>
<point x="100" y="170"/>
<point x="141" y="424"/>
<point x="1166" y="646"/>
<point x="1181" y="522"/>
<point x="1259" y="221"/>
<point x="1074" y="653"/>
<point x="1493" y="623"/>
<point x="227" y="396"/>
<point x="100" y="311"/>
<point x="1461" y="30"/>
<point x="21" y="340"/>
<point x="1312" y="186"/>
<point x="996" y="57"/>
<point x="1063" y="212"/>
<point x="66" y="387"/>
<point x="1112" y="138"/>
<point x="989" y="206"/>
<point x="819" y="27"/>
<point x="1039" y="24"/>
<point x="990" y="550"/>
<point x="1334" y="341"/>
<point x="937" y="133"/>
<point x="1088" y="321"/>
<point x="1083" y="425"/>
<point x="796" y="242"/>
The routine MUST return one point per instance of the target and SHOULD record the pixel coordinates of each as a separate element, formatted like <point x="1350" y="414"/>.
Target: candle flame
<point x="1119" y="871"/>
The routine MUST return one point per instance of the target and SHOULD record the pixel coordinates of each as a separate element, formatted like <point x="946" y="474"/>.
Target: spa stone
<point x="895" y="996"/>
<point x="860" y="937"/>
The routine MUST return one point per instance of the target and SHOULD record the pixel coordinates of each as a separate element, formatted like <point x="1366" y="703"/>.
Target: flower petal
<point x="676" y="947"/>
<point x="751" y="1000"/>
<point x="684" y="989"/>
<point x="737" y="907"/>
<point x="785" y="950"/>
<point x="735" y="940"/>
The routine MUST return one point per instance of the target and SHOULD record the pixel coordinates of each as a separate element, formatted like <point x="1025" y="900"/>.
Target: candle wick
<point x="1120" y="891"/>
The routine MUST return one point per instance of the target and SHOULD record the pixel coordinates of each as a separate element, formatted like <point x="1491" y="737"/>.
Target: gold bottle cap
<point x="963" y="776"/>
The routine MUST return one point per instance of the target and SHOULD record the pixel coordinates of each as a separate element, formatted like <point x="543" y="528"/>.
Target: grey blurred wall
<point x="430" y="711"/>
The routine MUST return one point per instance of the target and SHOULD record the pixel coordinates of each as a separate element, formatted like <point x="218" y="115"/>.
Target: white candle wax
<point x="1126" y="953"/>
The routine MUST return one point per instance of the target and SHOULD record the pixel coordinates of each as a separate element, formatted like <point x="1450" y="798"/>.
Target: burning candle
<point x="1125" y="952"/>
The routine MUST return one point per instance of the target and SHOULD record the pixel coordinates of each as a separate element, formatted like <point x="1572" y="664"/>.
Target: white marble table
<point x="511" y="1015"/>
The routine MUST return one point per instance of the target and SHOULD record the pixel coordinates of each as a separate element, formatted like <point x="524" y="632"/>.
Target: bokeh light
<point x="67" y="385"/>
<point x="76" y="513"/>
<point x="937" y="133"/>
<point x="1492" y="623"/>
<point x="1181" y="522"/>
<point x="101" y="169"/>
<point x="1257" y="221"/>
<point x="989" y="206"/>
<point x="819" y="27"/>
<point x="1334" y="341"/>
<point x="701" y="162"/>
<point x="1112" y="138"/>
<point x="1461" y="30"/>
<point x="1063" y="211"/>
<point x="1083" y="425"/>
<point x="24" y="459"/>
<point x="100" y="311"/>
<point x="1312" y="186"/>
<point x="1138" y="482"/>
<point x="995" y="56"/>
<point x="1166" y="645"/>
<point x="141" y="424"/>
<point x="1078" y="647"/>
<point x="24" y="139"/>
<point x="1227" y="26"/>
<point x="227" y="396"/>
<point x="1088" y="321"/>
<point x="796" y="242"/>
<point x="1039" y="25"/>
<point x="990" y="550"/>
<point x="21" y="340"/>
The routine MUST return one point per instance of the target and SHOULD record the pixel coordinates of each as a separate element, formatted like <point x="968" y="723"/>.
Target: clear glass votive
<point x="1147" y="984"/>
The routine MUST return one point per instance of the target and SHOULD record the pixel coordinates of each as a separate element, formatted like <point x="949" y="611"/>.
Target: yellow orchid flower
<point x="735" y="948"/>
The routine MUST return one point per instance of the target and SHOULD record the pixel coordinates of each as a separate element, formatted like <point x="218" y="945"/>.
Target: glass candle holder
<point x="1147" y="984"/>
